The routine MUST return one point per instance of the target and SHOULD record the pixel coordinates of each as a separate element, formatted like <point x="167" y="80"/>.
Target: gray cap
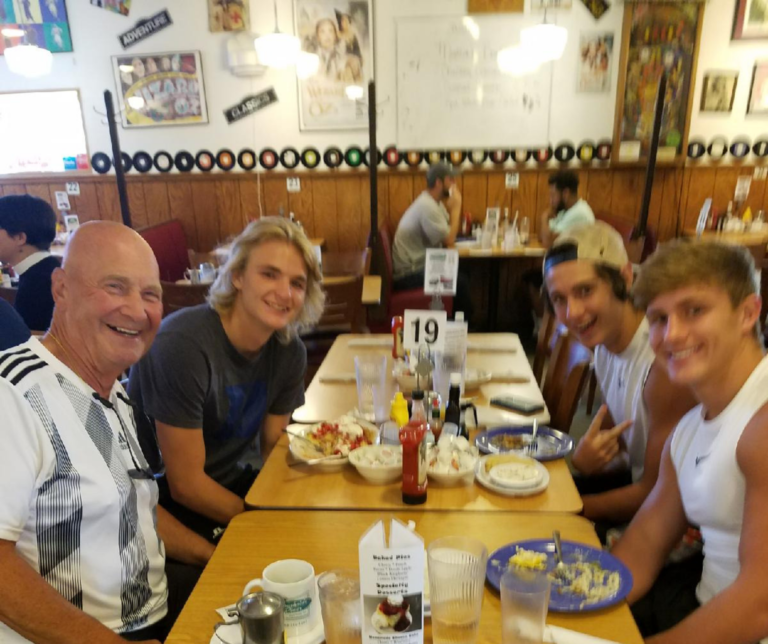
<point x="440" y="171"/>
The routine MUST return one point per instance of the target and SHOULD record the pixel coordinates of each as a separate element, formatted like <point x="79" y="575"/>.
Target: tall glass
<point x="524" y="601"/>
<point x="340" y="605"/>
<point x="525" y="230"/>
<point x="371" y="376"/>
<point x="445" y="364"/>
<point x="456" y="585"/>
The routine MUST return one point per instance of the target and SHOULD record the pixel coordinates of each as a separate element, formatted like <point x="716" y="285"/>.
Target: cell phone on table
<point x="515" y="403"/>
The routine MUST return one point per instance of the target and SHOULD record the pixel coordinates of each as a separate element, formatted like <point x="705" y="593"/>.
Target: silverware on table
<point x="533" y="446"/>
<point x="561" y="570"/>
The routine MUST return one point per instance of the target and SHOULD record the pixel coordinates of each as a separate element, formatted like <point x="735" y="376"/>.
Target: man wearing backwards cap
<point x="431" y="221"/>
<point x="588" y="278"/>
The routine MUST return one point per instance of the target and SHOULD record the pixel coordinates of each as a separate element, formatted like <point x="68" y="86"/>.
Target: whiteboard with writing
<point x="451" y="92"/>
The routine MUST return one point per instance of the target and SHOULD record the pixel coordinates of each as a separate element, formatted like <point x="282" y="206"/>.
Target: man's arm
<point x="666" y="403"/>
<point x="22" y="594"/>
<point x="739" y="614"/>
<point x="453" y="205"/>
<point x="273" y="426"/>
<point x="180" y="542"/>
<point x="656" y="529"/>
<point x="546" y="236"/>
<point x="184" y="454"/>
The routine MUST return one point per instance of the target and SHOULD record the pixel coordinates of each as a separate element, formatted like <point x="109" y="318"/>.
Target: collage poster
<point x="595" y="62"/>
<point x="167" y="89"/>
<point x="228" y="15"/>
<point x="123" y="7"/>
<point x="340" y="33"/>
<point x="44" y="23"/>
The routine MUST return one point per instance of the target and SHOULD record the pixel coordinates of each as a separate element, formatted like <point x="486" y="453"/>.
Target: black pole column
<point x="117" y="156"/>
<point x="639" y="231"/>
<point x="373" y="165"/>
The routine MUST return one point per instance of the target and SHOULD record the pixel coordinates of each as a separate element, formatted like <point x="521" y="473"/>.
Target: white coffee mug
<point x="294" y="581"/>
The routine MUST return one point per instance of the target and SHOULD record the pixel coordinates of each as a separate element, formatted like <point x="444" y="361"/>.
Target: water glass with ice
<point x="524" y="601"/>
<point x="371" y="374"/>
<point x="340" y="605"/>
<point x="456" y="585"/>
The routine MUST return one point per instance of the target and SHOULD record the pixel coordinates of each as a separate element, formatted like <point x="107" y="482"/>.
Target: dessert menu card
<point x="392" y="585"/>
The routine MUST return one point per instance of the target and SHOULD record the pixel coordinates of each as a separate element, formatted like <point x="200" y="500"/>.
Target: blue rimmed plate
<point x="551" y="444"/>
<point x="560" y="599"/>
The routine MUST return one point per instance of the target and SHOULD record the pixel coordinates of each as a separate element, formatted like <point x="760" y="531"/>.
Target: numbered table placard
<point x="424" y="327"/>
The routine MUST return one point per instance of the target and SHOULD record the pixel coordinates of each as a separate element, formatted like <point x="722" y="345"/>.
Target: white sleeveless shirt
<point x="711" y="484"/>
<point x="622" y="379"/>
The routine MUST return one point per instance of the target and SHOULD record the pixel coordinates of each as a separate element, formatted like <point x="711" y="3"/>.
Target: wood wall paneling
<point x="701" y="185"/>
<point x="326" y="211"/>
<point x="249" y="199"/>
<point x="182" y="208"/>
<point x="302" y="206"/>
<point x="498" y="196"/>
<point x="495" y="6"/>
<point x="228" y="201"/>
<point x="158" y="207"/>
<point x="138" y="205"/>
<point x="109" y="202"/>
<point x="725" y="185"/>
<point x="600" y="191"/>
<point x="670" y="210"/>
<point x="627" y="194"/>
<point x="206" y="214"/>
<point x="349" y="212"/>
<point x="525" y="200"/>
<point x="14" y="189"/>
<point x="475" y="195"/>
<point x="275" y="194"/>
<point x="88" y="203"/>
<point x="756" y="196"/>
<point x="400" y="197"/>
<point x="43" y="191"/>
<point x="542" y="198"/>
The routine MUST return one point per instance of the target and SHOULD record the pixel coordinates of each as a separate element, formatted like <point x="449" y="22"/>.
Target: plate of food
<point x="550" y="443"/>
<point x="594" y="578"/>
<point x="392" y="615"/>
<point x="407" y="380"/>
<point x="476" y="377"/>
<point x="327" y="445"/>
<point x="378" y="464"/>
<point x="512" y="474"/>
<point x="452" y="460"/>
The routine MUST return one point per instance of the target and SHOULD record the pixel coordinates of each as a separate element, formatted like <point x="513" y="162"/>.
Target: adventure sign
<point x="145" y="28"/>
<point x="250" y="105"/>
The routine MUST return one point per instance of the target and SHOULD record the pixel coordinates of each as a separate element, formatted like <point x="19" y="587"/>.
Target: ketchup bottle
<point x="397" y="337"/>
<point x="413" y="439"/>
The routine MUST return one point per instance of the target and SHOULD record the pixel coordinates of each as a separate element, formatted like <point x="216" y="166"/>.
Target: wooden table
<point x="533" y="249"/>
<point x="372" y="290"/>
<point x="330" y="540"/>
<point x="741" y="239"/>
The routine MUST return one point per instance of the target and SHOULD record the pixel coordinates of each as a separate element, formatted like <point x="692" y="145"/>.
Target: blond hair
<point x="223" y="293"/>
<point x="680" y="263"/>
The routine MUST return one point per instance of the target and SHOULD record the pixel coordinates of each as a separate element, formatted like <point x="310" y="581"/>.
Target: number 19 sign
<point x="424" y="328"/>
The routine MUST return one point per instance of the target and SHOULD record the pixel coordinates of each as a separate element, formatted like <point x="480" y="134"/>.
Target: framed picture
<point x="160" y="89"/>
<point x="340" y="34"/>
<point x="718" y="91"/>
<point x="123" y="7"/>
<point x="228" y="15"/>
<point x="750" y="20"/>
<point x="44" y="23"/>
<point x="758" y="92"/>
<point x="595" y="61"/>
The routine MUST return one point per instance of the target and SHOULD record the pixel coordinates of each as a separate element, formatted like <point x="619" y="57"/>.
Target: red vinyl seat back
<point x="168" y="242"/>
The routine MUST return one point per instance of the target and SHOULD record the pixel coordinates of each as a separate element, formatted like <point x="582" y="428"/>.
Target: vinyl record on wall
<point x="499" y="157"/>
<point x="268" y="159"/>
<point x="760" y="148"/>
<point x="163" y="161"/>
<point x="290" y="158"/>
<point x="333" y="157"/>
<point x="457" y="157"/>
<point x="434" y="156"/>
<point x="310" y="158"/>
<point x="184" y="161"/>
<point x="392" y="158"/>
<point x="696" y="149"/>
<point x="142" y="162"/>
<point x="565" y="152"/>
<point x="367" y="157"/>
<point x="413" y="158"/>
<point x="739" y="148"/>
<point x="127" y="161"/>
<point x="478" y="157"/>
<point x="204" y="160"/>
<point x="717" y="148"/>
<point x="521" y="155"/>
<point x="543" y="155"/>
<point x="101" y="163"/>
<point x="586" y="152"/>
<point x="603" y="152"/>
<point x="353" y="156"/>
<point x="225" y="159"/>
<point x="246" y="159"/>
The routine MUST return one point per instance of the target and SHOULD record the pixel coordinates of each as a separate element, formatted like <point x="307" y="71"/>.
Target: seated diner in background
<point x="703" y="309"/>
<point x="223" y="378"/>
<point x="13" y="331"/>
<point x="85" y="551"/>
<point x="27" y="230"/>
<point x="566" y="208"/>
<point x="588" y="279"/>
<point x="431" y="221"/>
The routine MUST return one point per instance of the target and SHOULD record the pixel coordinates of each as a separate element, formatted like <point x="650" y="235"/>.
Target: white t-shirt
<point x="622" y="380"/>
<point x="68" y="502"/>
<point x="712" y="486"/>
<point x="579" y="214"/>
<point x="424" y="225"/>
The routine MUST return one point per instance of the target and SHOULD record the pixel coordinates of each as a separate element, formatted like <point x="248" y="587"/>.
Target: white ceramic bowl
<point x="407" y="383"/>
<point x="462" y="476"/>
<point x="387" y="466"/>
<point x="302" y="452"/>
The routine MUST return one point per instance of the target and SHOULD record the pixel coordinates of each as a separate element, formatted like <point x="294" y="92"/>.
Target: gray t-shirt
<point x="424" y="225"/>
<point x="194" y="377"/>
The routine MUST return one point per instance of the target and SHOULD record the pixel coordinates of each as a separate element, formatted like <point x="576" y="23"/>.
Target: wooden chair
<point x="8" y="293"/>
<point x="180" y="296"/>
<point x="543" y="345"/>
<point x="566" y="376"/>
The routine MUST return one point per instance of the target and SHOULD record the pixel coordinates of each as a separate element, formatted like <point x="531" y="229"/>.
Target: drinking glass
<point x="456" y="584"/>
<point x="525" y="230"/>
<point x="524" y="600"/>
<point x="371" y="374"/>
<point x="447" y="363"/>
<point x="340" y="605"/>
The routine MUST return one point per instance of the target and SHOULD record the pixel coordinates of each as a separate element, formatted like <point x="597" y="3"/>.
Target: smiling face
<point x="697" y="333"/>
<point x="272" y="287"/>
<point x="326" y="34"/>
<point x="585" y="303"/>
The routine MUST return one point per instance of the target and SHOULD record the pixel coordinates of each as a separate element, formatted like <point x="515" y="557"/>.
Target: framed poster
<point x="123" y="7"/>
<point x="595" y="61"/>
<point x="657" y="37"/>
<point x="160" y="89"/>
<point x="228" y="15"/>
<point x="44" y="23"/>
<point x="758" y="91"/>
<point x="340" y="33"/>
<point x="718" y="91"/>
<point x="750" y="21"/>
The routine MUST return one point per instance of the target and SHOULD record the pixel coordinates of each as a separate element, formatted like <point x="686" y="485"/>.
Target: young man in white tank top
<point x="588" y="278"/>
<point x="703" y="308"/>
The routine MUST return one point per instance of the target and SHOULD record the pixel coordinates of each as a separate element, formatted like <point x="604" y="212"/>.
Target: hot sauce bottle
<point x="413" y="437"/>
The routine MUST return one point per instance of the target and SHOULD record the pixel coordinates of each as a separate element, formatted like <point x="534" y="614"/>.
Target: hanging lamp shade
<point x="277" y="49"/>
<point x="546" y="40"/>
<point x="28" y="60"/>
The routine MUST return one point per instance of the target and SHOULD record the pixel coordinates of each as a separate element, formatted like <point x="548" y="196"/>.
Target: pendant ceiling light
<point x="546" y="40"/>
<point x="24" y="59"/>
<point x="277" y="49"/>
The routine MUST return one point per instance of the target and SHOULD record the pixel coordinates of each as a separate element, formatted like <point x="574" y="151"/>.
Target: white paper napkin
<point x="338" y="378"/>
<point x="557" y="635"/>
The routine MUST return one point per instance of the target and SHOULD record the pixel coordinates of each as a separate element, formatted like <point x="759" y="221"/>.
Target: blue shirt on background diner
<point x="13" y="331"/>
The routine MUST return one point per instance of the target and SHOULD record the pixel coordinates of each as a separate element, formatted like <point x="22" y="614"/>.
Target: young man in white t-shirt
<point x="588" y="278"/>
<point x="703" y="309"/>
